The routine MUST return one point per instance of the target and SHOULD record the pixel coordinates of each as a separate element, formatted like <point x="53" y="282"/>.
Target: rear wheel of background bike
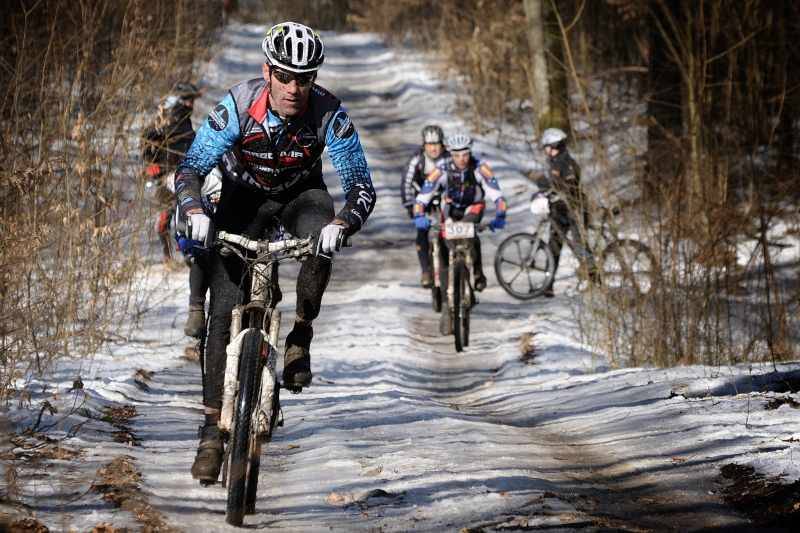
<point x="243" y="434"/>
<point x="459" y="304"/>
<point x="467" y="309"/>
<point x="436" y="292"/>
<point x="524" y="265"/>
<point x="436" y="298"/>
<point x="629" y="265"/>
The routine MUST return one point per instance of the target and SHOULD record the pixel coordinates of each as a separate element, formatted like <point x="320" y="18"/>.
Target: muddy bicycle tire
<point x="243" y="464"/>
<point x="521" y="258"/>
<point x="460" y="309"/>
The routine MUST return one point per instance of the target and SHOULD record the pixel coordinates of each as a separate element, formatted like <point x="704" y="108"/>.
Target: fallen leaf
<point x="334" y="498"/>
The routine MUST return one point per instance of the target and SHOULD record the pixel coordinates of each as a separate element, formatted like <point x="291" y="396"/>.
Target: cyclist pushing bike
<point x="464" y="181"/>
<point x="277" y="127"/>
<point x="561" y="197"/>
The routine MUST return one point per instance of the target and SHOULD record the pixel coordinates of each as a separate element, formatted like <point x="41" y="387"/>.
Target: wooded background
<point x="717" y="80"/>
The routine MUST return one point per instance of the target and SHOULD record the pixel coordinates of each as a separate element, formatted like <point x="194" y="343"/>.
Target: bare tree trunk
<point x="664" y="103"/>
<point x="548" y="77"/>
<point x="538" y="80"/>
<point x="555" y="40"/>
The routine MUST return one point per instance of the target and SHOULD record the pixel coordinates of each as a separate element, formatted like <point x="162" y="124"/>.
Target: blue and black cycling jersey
<point x="275" y="156"/>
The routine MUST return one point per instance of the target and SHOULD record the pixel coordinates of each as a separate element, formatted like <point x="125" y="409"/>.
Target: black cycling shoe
<point x="480" y="282"/>
<point x="297" y="367"/>
<point x="426" y="280"/>
<point x="208" y="461"/>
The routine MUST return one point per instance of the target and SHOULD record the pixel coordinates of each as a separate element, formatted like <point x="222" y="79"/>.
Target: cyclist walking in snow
<point x="566" y="202"/>
<point x="422" y="163"/>
<point x="277" y="126"/>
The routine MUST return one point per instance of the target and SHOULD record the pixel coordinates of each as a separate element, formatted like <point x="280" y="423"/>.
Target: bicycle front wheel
<point x="243" y="461"/>
<point x="524" y="265"/>
<point x="629" y="264"/>
<point x="460" y="305"/>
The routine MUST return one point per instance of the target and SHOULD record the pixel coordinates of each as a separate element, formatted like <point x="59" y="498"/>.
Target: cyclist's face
<point x="461" y="159"/>
<point x="433" y="150"/>
<point x="288" y="92"/>
<point x="550" y="151"/>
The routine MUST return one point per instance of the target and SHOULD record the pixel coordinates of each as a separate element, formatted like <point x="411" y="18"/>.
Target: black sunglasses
<point x="303" y="80"/>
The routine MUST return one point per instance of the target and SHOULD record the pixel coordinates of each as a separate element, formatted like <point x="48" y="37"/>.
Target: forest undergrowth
<point x="79" y="79"/>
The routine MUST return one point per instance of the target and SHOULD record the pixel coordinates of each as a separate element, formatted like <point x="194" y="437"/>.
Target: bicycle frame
<point x="458" y="248"/>
<point x="259" y="311"/>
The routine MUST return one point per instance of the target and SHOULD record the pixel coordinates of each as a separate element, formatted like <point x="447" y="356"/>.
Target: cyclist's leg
<point x="198" y="286"/>
<point x="559" y="224"/>
<point x="306" y="215"/>
<point x="423" y="249"/>
<point x="578" y="222"/>
<point x="225" y="279"/>
<point x="475" y="214"/>
<point x="225" y="274"/>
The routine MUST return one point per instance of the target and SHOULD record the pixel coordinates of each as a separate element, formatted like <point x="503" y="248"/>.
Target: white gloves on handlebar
<point x="199" y="223"/>
<point x="330" y="239"/>
<point x="540" y="206"/>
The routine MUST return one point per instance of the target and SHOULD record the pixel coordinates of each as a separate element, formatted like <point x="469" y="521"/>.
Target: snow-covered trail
<point x="398" y="432"/>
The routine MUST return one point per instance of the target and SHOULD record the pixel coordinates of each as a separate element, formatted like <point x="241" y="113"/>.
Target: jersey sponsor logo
<point x="343" y="126"/>
<point x="218" y="118"/>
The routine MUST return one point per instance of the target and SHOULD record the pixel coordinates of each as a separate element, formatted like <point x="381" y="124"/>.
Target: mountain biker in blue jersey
<point x="465" y="182"/>
<point x="421" y="165"/>
<point x="276" y="128"/>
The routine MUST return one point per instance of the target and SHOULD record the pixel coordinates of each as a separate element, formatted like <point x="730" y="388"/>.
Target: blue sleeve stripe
<point x="347" y="155"/>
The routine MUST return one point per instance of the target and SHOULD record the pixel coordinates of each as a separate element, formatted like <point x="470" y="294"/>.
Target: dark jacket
<point x="168" y="138"/>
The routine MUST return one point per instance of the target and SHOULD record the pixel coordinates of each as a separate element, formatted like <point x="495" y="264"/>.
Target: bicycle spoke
<point x="530" y="283"/>
<point x="511" y="282"/>
<point x="518" y="265"/>
<point x="519" y="251"/>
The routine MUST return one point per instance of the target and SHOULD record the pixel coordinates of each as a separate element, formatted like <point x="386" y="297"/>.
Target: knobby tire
<point x="531" y="265"/>
<point x="459" y="293"/>
<point x="241" y="470"/>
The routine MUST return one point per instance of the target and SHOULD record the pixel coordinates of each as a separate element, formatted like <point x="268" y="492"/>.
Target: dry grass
<point x="77" y="78"/>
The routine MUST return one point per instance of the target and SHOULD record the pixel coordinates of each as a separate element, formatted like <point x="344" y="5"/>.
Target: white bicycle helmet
<point x="552" y="137"/>
<point x="293" y="47"/>
<point x="458" y="142"/>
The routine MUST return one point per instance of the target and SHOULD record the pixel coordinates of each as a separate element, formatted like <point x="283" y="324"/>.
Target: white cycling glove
<point x="199" y="223"/>
<point x="330" y="239"/>
<point x="540" y="206"/>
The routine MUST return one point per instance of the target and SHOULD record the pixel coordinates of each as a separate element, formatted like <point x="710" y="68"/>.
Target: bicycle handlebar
<point x="265" y="246"/>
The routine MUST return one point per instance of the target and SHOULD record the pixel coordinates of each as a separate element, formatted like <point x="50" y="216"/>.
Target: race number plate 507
<point x="458" y="230"/>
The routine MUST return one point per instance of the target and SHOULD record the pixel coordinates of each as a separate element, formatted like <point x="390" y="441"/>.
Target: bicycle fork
<point x="451" y="288"/>
<point x="268" y="400"/>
